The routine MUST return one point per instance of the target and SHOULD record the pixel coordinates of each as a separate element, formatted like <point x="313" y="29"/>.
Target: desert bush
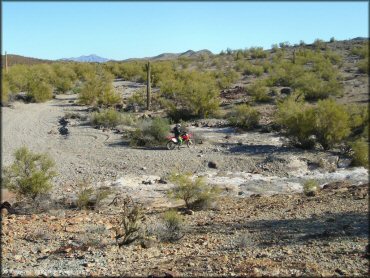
<point x="319" y="44"/>
<point x="98" y="89"/>
<point x="172" y="227"/>
<point x="18" y="78"/>
<point x="64" y="77"/>
<point x="297" y="120"/>
<point x="360" y="154"/>
<point x="138" y="98"/>
<point x="226" y="78"/>
<point x="310" y="187"/>
<point x="4" y="91"/>
<point x="331" y="123"/>
<point x="244" y="116"/>
<point x="133" y="71"/>
<point x="358" y="118"/>
<point x="257" y="52"/>
<point x="259" y="91"/>
<point x="195" y="193"/>
<point x="130" y="227"/>
<point x="108" y="118"/>
<point x="194" y="92"/>
<point x="363" y="65"/>
<point x="150" y="132"/>
<point x="90" y="198"/>
<point x="39" y="91"/>
<point x="30" y="174"/>
<point x="361" y="51"/>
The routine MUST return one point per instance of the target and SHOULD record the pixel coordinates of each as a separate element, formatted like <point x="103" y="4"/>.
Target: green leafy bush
<point x="360" y="155"/>
<point x="328" y="123"/>
<point x="64" y="77"/>
<point x="310" y="187"/>
<point x="297" y="120"/>
<point x="108" y="118"/>
<point x="195" y="193"/>
<point x="193" y="92"/>
<point x="244" y="116"/>
<point x="259" y="91"/>
<point x="18" y="78"/>
<point x="98" y="89"/>
<point x="30" y="174"/>
<point x="150" y="132"/>
<point x="332" y="123"/>
<point x="39" y="91"/>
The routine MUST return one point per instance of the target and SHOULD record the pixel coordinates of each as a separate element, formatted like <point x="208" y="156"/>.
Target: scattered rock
<point x="212" y="164"/>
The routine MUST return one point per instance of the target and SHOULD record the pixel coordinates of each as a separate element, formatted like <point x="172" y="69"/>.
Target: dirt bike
<point x="172" y="141"/>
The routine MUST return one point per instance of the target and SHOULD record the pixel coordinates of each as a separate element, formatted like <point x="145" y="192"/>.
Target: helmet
<point x="178" y="125"/>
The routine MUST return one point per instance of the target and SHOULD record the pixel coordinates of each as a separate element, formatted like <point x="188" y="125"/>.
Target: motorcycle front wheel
<point x="170" y="145"/>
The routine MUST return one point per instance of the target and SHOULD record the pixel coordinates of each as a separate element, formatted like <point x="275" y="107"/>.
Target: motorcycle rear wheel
<point x="189" y="143"/>
<point x="170" y="145"/>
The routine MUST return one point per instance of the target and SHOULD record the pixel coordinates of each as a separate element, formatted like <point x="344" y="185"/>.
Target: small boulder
<point x="212" y="164"/>
<point x="286" y="91"/>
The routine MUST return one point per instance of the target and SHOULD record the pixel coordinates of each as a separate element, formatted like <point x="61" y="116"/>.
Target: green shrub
<point x="90" y="198"/>
<point x="172" y="226"/>
<point x="64" y="77"/>
<point x="192" y="91"/>
<point x="297" y="120"/>
<point x="332" y="123"/>
<point x="138" y="98"/>
<point x="40" y="91"/>
<point x="84" y="198"/>
<point x="108" y="118"/>
<point x="195" y="193"/>
<point x="150" y="132"/>
<point x="18" y="78"/>
<point x="4" y="91"/>
<point x="360" y="155"/>
<point x="98" y="89"/>
<point x="257" y="52"/>
<point x="328" y="122"/>
<point x="358" y="118"/>
<point x="244" y="116"/>
<point x="363" y="65"/>
<point x="259" y="92"/>
<point x="319" y="44"/>
<point x="361" y="51"/>
<point x="30" y="174"/>
<point x="310" y="187"/>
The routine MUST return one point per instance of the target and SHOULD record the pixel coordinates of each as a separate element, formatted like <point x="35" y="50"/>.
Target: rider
<point x="177" y="132"/>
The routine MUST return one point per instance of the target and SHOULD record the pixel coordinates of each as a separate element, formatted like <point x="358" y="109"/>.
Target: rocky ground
<point x="279" y="235"/>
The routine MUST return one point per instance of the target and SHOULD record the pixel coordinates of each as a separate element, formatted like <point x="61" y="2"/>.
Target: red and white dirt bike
<point x="173" y="142"/>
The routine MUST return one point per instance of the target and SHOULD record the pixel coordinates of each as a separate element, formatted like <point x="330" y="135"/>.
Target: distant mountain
<point x="171" y="56"/>
<point x="87" y="59"/>
<point x="18" y="59"/>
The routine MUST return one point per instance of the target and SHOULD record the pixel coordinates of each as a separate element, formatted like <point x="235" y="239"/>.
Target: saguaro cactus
<point x="148" y="88"/>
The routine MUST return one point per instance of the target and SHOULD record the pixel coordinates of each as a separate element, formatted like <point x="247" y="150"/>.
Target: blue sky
<point x="121" y="30"/>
